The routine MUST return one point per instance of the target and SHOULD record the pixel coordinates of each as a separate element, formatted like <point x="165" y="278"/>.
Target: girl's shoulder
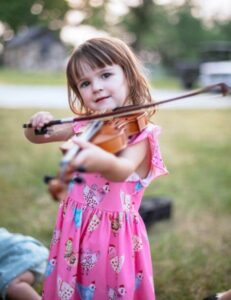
<point x="151" y="131"/>
<point x="157" y="166"/>
<point x="78" y="127"/>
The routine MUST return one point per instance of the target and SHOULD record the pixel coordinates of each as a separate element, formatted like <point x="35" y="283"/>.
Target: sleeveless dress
<point x="100" y="248"/>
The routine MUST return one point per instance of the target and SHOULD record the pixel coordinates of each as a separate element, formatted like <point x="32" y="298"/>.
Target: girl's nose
<point x="96" y="86"/>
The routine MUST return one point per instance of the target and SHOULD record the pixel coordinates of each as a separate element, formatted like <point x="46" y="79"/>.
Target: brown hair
<point x="98" y="53"/>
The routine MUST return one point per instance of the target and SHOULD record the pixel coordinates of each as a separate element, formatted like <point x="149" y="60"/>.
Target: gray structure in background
<point x="46" y="97"/>
<point x="35" y="49"/>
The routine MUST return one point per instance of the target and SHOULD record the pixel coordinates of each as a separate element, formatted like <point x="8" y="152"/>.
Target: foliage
<point x="141" y="20"/>
<point x="183" y="36"/>
<point x="19" y="13"/>
<point x="222" y="30"/>
<point x="95" y="16"/>
<point x="173" y="32"/>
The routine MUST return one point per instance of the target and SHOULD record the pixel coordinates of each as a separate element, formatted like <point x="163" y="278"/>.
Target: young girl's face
<point x="103" y="88"/>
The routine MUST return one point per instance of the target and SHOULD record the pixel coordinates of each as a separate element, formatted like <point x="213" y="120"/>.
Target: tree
<point x="183" y="35"/>
<point x="95" y="15"/>
<point x="141" y="21"/>
<point x="17" y="14"/>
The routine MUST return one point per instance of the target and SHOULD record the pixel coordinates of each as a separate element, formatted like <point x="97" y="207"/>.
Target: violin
<point x="112" y="136"/>
<point x="111" y="131"/>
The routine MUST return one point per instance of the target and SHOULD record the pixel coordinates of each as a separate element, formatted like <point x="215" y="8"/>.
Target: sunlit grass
<point x="166" y="82"/>
<point x="191" y="251"/>
<point x="8" y="76"/>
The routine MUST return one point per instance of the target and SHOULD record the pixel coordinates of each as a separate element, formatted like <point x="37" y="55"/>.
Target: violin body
<point x="112" y="137"/>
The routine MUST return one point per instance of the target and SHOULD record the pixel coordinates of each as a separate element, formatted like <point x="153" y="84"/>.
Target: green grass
<point x="165" y="82"/>
<point x="191" y="251"/>
<point x="8" y="76"/>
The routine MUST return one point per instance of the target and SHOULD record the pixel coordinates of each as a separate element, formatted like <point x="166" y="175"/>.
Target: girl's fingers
<point x="40" y="119"/>
<point x="81" y="143"/>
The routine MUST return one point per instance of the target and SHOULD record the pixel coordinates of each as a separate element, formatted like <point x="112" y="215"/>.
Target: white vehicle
<point x="216" y="64"/>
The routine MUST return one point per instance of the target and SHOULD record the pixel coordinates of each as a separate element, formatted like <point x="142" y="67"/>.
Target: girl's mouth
<point x="101" y="99"/>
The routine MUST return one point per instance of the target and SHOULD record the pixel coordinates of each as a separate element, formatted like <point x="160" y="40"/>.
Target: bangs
<point x="92" y="57"/>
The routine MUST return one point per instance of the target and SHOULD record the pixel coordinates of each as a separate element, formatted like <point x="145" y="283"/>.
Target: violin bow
<point x="130" y="109"/>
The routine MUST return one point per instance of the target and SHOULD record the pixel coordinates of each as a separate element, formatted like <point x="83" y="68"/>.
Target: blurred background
<point x="174" y="38"/>
<point x="183" y="44"/>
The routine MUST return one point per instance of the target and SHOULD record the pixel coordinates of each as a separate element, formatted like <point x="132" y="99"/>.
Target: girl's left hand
<point x="91" y="158"/>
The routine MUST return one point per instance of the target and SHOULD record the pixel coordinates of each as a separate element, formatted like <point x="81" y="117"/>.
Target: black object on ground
<point x="154" y="209"/>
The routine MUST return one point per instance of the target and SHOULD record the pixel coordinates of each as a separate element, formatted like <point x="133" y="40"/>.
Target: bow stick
<point x="130" y="109"/>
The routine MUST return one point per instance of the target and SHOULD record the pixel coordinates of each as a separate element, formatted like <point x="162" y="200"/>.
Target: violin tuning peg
<point x="78" y="180"/>
<point x="47" y="179"/>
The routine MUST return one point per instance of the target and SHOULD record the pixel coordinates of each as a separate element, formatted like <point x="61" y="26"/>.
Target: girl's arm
<point x="55" y="133"/>
<point x="135" y="158"/>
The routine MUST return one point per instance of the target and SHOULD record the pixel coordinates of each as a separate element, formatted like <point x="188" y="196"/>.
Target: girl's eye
<point x="106" y="75"/>
<point x="84" y="84"/>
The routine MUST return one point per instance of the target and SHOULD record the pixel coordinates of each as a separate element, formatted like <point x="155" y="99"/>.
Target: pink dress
<point x="100" y="248"/>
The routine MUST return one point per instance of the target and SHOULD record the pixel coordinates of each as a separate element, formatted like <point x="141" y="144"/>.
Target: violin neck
<point x="87" y="135"/>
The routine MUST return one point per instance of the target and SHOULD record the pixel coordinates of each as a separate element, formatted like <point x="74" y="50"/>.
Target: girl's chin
<point x="102" y="108"/>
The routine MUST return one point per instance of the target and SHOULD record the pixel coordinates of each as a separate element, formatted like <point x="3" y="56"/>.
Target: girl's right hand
<point x="54" y="133"/>
<point x="40" y="119"/>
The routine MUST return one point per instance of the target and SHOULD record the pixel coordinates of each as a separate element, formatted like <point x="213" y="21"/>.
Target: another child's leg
<point x="220" y="296"/>
<point x="20" y="288"/>
<point x="226" y="295"/>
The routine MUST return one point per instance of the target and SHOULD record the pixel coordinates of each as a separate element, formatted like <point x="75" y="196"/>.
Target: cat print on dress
<point x="137" y="243"/>
<point x="94" y="223"/>
<point x="138" y="186"/>
<point x="121" y="290"/>
<point x="112" y="294"/>
<point x="116" y="293"/>
<point x="65" y="291"/>
<point x="68" y="247"/>
<point x="88" y="260"/>
<point x="70" y="257"/>
<point x="111" y="250"/>
<point x="157" y="160"/>
<point x="86" y="292"/>
<point x="72" y="260"/>
<point x="55" y="237"/>
<point x="64" y="205"/>
<point x="138" y="279"/>
<point x="116" y="222"/>
<point x="78" y="213"/>
<point x="50" y="266"/>
<point x="93" y="194"/>
<point x="116" y="261"/>
<point x="126" y="201"/>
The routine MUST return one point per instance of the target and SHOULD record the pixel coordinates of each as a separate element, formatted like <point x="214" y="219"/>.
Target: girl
<point x="100" y="247"/>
